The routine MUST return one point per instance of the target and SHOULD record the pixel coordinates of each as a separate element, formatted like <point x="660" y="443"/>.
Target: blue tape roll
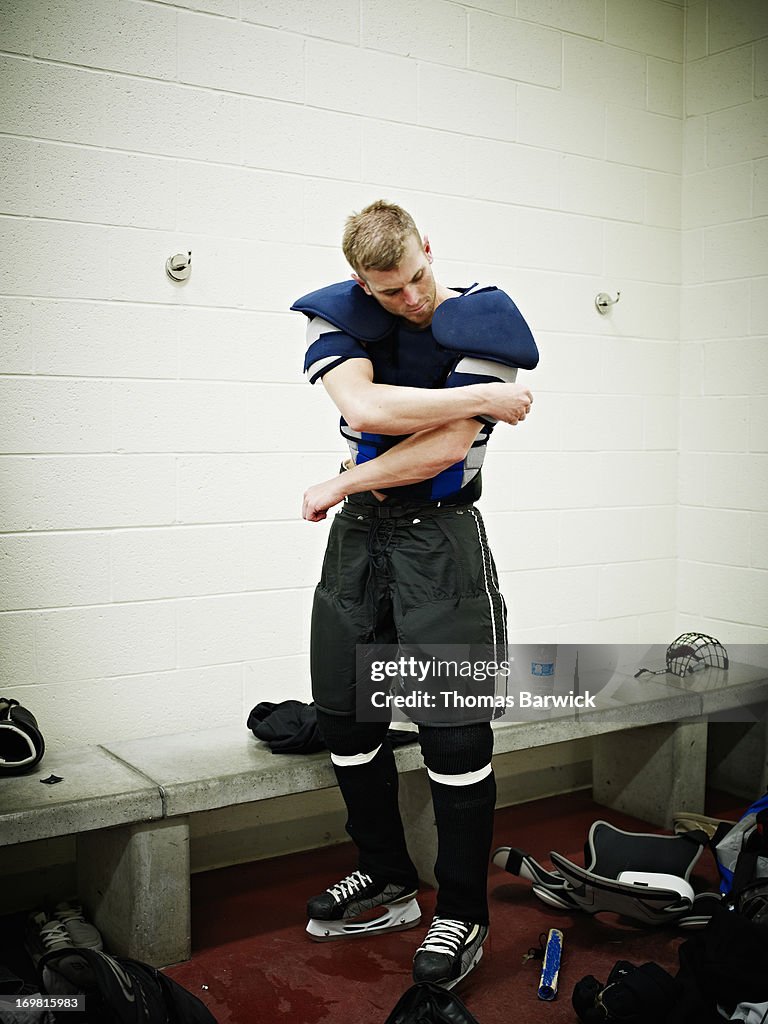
<point x="550" y="969"/>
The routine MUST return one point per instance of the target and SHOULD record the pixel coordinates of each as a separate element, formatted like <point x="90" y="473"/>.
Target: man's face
<point x="409" y="291"/>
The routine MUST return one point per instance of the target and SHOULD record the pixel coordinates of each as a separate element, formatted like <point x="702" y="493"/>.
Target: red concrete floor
<point x="252" y="961"/>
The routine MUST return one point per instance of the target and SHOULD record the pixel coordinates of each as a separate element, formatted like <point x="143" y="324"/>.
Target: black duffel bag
<point x="426" y="1003"/>
<point x="21" y="743"/>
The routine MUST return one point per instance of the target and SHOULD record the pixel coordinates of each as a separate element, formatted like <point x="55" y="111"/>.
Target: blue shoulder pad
<point x="348" y="307"/>
<point x="486" y="323"/>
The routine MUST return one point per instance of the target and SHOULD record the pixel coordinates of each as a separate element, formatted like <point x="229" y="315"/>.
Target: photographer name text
<point x="453" y="700"/>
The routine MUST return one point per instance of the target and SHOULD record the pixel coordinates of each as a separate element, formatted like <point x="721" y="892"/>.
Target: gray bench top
<point x="220" y="767"/>
<point x="225" y="766"/>
<point x="726" y="690"/>
<point x="625" y="702"/>
<point x="213" y="768"/>
<point x="96" y="791"/>
<point x="172" y="775"/>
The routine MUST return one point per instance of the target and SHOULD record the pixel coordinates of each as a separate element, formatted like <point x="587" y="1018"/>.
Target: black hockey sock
<point x="370" y="793"/>
<point x="464" y="816"/>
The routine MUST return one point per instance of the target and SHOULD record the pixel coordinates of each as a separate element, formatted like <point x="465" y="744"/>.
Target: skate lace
<point x="350" y="886"/>
<point x="444" y="936"/>
<point x="69" y="913"/>
<point x="55" y="936"/>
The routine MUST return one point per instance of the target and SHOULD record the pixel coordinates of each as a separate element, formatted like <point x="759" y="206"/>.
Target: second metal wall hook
<point x="178" y="267"/>
<point x="603" y="302"/>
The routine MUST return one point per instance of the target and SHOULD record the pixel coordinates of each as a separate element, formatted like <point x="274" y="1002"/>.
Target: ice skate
<point x="359" y="906"/>
<point x="449" y="952"/>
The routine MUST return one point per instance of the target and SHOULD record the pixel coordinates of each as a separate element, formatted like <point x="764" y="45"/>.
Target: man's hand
<point x="319" y="498"/>
<point x="509" y="403"/>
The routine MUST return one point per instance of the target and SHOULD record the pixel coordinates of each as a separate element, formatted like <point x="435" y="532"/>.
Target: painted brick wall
<point x="723" y="526"/>
<point x="156" y="438"/>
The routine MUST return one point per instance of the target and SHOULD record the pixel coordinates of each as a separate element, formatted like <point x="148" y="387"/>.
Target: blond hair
<point x="376" y="237"/>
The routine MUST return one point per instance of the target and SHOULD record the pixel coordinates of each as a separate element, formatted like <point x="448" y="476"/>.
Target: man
<point x="420" y="374"/>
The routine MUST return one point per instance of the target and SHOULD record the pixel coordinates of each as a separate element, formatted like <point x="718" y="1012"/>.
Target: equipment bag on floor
<point x="742" y="859"/>
<point x="721" y="966"/>
<point x="631" y="995"/>
<point x="118" y="990"/>
<point x="21" y="743"/>
<point x="425" y="1003"/>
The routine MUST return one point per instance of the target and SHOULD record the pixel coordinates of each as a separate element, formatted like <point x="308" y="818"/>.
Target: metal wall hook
<point x="603" y="301"/>
<point x="179" y="266"/>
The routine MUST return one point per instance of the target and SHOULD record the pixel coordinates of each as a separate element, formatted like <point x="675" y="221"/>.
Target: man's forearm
<point x="389" y="409"/>
<point x="414" y="459"/>
<point x="393" y="409"/>
<point x="417" y="458"/>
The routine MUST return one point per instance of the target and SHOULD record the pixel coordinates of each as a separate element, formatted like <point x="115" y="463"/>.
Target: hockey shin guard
<point x="370" y="793"/>
<point x="463" y="788"/>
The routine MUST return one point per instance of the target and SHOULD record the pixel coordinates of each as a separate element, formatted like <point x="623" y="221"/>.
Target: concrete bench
<point x="130" y="803"/>
<point x="649" y="757"/>
<point x="135" y="879"/>
<point x="97" y="791"/>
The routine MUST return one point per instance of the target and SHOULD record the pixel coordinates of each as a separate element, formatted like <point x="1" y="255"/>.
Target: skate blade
<point x="397" y="917"/>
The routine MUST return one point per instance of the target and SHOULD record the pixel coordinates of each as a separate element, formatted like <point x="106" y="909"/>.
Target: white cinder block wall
<point x="156" y="437"/>
<point x="723" y="537"/>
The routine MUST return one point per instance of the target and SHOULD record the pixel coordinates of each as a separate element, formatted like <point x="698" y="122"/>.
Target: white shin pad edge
<point x="464" y="779"/>
<point x="353" y="760"/>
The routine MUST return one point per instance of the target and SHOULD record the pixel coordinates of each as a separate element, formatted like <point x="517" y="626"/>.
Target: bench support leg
<point x="652" y="771"/>
<point x="134" y="880"/>
<point x="419" y="822"/>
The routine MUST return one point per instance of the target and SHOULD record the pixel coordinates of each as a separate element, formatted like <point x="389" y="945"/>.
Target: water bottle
<point x="543" y="663"/>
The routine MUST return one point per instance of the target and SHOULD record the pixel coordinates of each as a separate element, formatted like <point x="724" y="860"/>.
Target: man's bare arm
<point x="417" y="458"/>
<point x="388" y="409"/>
